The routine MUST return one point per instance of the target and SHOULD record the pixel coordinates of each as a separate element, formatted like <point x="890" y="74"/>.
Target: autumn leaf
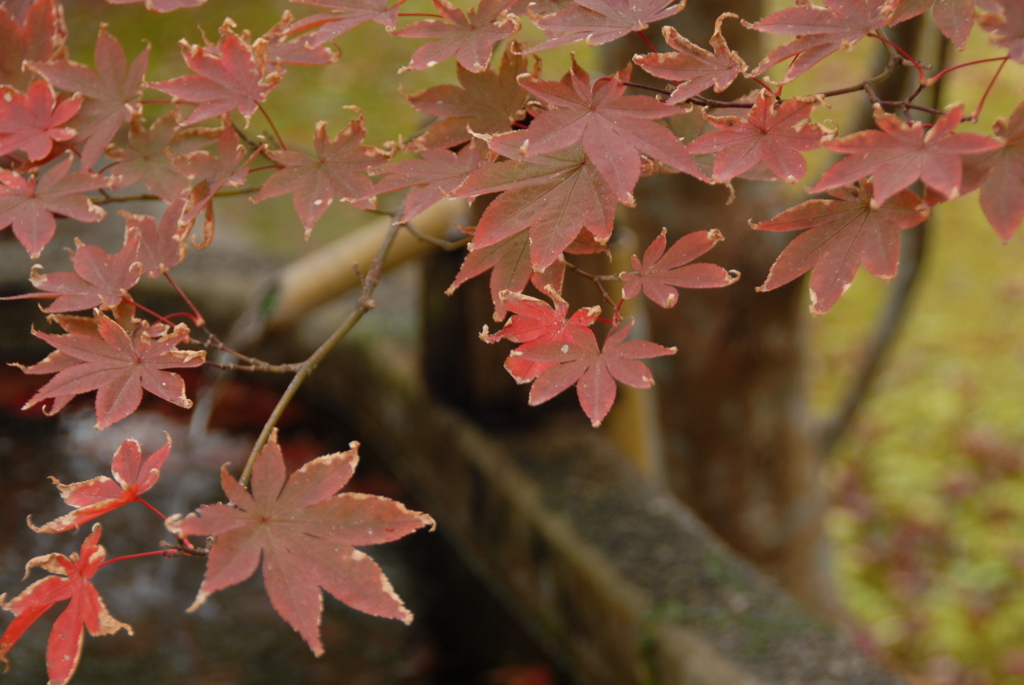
<point x="306" y="534"/>
<point x="691" y="66"/>
<point x="34" y="121"/>
<point x="231" y="75"/>
<point x="37" y="39"/>
<point x="112" y="91"/>
<point x="485" y="103"/>
<point x="29" y="204"/>
<point x="99" y="279"/>
<point x="1000" y="174"/>
<point x="344" y="16"/>
<point x="819" y="31"/>
<point x="433" y="177"/>
<point x="839" y="236"/>
<point x="161" y="246"/>
<point x="578" y="361"/>
<point x="69" y="579"/>
<point x="162" y="6"/>
<point x="773" y="136"/>
<point x="1007" y="31"/>
<point x="471" y="39"/>
<point x="661" y="272"/>
<point x="283" y="49"/>
<point x="615" y="129"/>
<point x="101" y="495"/>
<point x="901" y="153"/>
<point x="336" y="172"/>
<point x="601" y="21"/>
<point x="147" y="157"/>
<point x="955" y="18"/>
<point x="99" y="354"/>
<point x="555" y="196"/>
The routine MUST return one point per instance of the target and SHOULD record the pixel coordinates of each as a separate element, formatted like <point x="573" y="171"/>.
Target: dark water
<point x="460" y="635"/>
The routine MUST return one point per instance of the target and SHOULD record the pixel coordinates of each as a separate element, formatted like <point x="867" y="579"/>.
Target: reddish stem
<point x="264" y="168"/>
<point x="280" y="140"/>
<point x="419" y="14"/>
<point x="646" y="40"/>
<point x="160" y="552"/>
<point x="160" y="317"/>
<point x="922" y="79"/>
<point x="764" y="85"/>
<point x="942" y="73"/>
<point x="977" y="110"/>
<point x="150" y="507"/>
<point x="198" y="318"/>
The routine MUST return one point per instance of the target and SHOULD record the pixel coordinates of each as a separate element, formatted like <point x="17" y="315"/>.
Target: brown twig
<point x="596" y="279"/>
<point x="149" y="196"/>
<point x="446" y="245"/>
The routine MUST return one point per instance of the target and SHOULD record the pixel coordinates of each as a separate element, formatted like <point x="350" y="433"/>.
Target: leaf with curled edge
<point x="839" y="236"/>
<point x="535" y="322"/>
<point x="470" y="38"/>
<point x="433" y="177"/>
<point x="486" y="103"/>
<point x="95" y="497"/>
<point x="1000" y="175"/>
<point x="69" y="580"/>
<point x="691" y="66"/>
<point x="614" y="129"/>
<point x="773" y="136"/>
<point x="819" y="31"/>
<point x="344" y="16"/>
<point x="34" y="37"/>
<point x="112" y="92"/>
<point x="117" y="363"/>
<point x="1007" y="31"/>
<point x="284" y="49"/>
<point x="148" y="154"/>
<point x="661" y="273"/>
<point x="337" y="171"/>
<point x="162" y="6"/>
<point x="555" y="196"/>
<point x="578" y="361"/>
<point x="600" y="21"/>
<point x="901" y="153"/>
<point x="161" y="246"/>
<point x="232" y="75"/>
<point x="28" y="204"/>
<point x="33" y="121"/>
<point x="99" y="279"/>
<point x="306" y="534"/>
<point x="955" y="18"/>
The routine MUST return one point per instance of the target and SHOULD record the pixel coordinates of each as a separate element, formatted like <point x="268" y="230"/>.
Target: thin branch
<point x="198" y="318"/>
<point x="446" y="245"/>
<point x="280" y="140"/>
<point x="363" y="305"/>
<point x="596" y="279"/>
<point x="160" y="552"/>
<point x="977" y="110"/>
<point x="149" y="196"/>
<point x="263" y="367"/>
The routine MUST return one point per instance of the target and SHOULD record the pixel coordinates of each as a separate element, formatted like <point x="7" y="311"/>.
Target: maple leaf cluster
<point x="549" y="160"/>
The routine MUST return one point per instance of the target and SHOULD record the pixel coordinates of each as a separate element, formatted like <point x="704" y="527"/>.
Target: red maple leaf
<point x="29" y="204"/>
<point x="773" y="136"/>
<point x="306" y="534"/>
<point x="535" y="322"/>
<point x="1007" y="31"/>
<point x="661" y="272"/>
<point x="147" y="157"/>
<point x="40" y="35"/>
<point x="119" y="364"/>
<point x="555" y="196"/>
<point x="98" y="280"/>
<point x="486" y="103"/>
<point x="902" y="153"/>
<point x="578" y="361"/>
<point x="601" y="21"/>
<point x="231" y="75"/>
<point x="161" y="6"/>
<point x="471" y="39"/>
<point x="86" y="611"/>
<point x="101" y="495"/>
<point x="432" y="177"/>
<point x="34" y="121"/>
<point x="344" y="16"/>
<point x="336" y="172"/>
<point x="955" y="18"/>
<point x="285" y="50"/>
<point x="613" y="128"/>
<point x="111" y="92"/>
<point x="819" y="31"/>
<point x="161" y="246"/>
<point x="839" y="236"/>
<point x="1000" y="174"/>
<point x="691" y="66"/>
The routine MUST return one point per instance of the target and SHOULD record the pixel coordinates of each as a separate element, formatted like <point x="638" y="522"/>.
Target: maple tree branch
<point x="363" y="305"/>
<point x="149" y="196"/>
<point x="904" y="54"/>
<point x="259" y="366"/>
<point x="596" y="279"/>
<point x="159" y="552"/>
<point x="446" y="245"/>
<point x="280" y="140"/>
